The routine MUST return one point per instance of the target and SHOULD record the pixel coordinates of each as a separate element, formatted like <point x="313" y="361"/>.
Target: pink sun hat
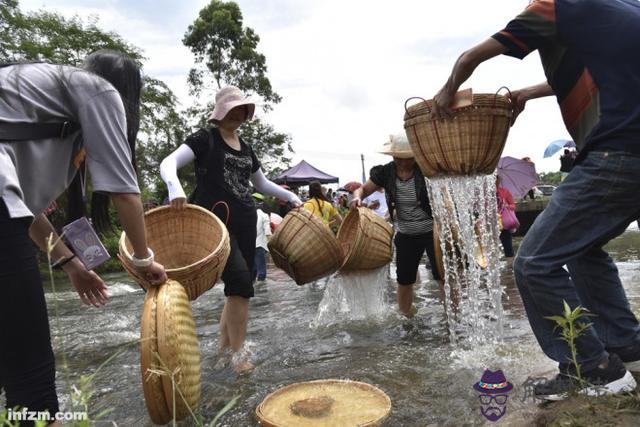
<point x="228" y="98"/>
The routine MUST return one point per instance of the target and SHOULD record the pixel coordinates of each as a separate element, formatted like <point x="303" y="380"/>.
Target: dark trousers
<point x="507" y="243"/>
<point x="409" y="251"/>
<point x="239" y="272"/>
<point x="27" y="364"/>
<point x="572" y="231"/>
<point x="261" y="263"/>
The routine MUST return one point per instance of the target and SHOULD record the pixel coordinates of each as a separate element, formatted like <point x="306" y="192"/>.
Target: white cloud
<point x="345" y="68"/>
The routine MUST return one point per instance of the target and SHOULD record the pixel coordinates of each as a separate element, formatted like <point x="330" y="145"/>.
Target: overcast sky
<point x="344" y="68"/>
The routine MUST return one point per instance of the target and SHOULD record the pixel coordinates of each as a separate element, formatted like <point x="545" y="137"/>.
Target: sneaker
<point x="600" y="381"/>
<point x="630" y="355"/>
<point x="555" y="389"/>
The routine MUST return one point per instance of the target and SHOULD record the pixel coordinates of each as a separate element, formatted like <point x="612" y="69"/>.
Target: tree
<point x="217" y="38"/>
<point x="225" y="53"/>
<point x="51" y="37"/>
<point x="552" y="178"/>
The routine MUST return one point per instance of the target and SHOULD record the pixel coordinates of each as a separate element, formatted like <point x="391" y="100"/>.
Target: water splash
<point x="465" y="214"/>
<point x="353" y="296"/>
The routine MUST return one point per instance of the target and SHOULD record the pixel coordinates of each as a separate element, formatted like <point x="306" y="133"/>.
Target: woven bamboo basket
<point x="351" y="403"/>
<point x="179" y="350"/>
<point x="469" y="143"/>
<point x="304" y="247"/>
<point x="365" y="239"/>
<point x="192" y="244"/>
<point x="149" y="363"/>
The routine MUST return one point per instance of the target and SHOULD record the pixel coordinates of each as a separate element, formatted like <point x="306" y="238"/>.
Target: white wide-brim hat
<point x="227" y="99"/>
<point x="398" y="146"/>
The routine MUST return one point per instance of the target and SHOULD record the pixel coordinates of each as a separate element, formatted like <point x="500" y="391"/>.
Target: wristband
<point x="62" y="261"/>
<point x="143" y="262"/>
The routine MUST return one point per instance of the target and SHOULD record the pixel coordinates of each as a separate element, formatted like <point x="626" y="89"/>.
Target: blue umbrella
<point x="556" y="146"/>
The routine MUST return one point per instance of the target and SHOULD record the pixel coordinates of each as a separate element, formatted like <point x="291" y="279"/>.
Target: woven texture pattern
<point x="356" y="404"/>
<point x="305" y="248"/>
<point x="365" y="239"/>
<point x="179" y="350"/>
<point x="151" y="382"/>
<point x="192" y="244"/>
<point x="469" y="143"/>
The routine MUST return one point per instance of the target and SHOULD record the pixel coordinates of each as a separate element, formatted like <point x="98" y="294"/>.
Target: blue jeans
<point x="261" y="263"/>
<point x="594" y="204"/>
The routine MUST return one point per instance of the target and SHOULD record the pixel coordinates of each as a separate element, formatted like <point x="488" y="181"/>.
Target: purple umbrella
<point x="517" y="176"/>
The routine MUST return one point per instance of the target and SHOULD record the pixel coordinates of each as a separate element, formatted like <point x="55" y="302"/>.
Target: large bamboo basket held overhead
<point x="192" y="244"/>
<point x="365" y="239"/>
<point x="471" y="142"/>
<point x="304" y="247"/>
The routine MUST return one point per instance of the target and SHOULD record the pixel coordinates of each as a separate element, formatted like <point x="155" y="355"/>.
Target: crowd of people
<point x="89" y="117"/>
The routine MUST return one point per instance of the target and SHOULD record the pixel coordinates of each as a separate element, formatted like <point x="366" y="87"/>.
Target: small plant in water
<point x="571" y="329"/>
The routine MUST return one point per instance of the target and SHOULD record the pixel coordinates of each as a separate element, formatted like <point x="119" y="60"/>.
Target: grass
<point x="571" y="329"/>
<point x="580" y="410"/>
<point x="613" y="410"/>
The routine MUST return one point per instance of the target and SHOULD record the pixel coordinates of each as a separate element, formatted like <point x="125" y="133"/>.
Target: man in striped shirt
<point x="588" y="49"/>
<point x="410" y="210"/>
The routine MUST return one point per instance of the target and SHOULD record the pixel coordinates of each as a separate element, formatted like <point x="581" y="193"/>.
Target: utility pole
<point x="364" y="179"/>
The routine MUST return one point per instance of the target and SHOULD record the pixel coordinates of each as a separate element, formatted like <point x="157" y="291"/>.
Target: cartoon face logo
<point x="89" y="246"/>
<point x="493" y="407"/>
<point x="493" y="389"/>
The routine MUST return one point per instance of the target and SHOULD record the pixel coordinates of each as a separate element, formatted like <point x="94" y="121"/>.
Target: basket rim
<point x="355" y="214"/>
<point x="225" y="236"/>
<point x="361" y="384"/>
<point x="361" y="235"/>
<point x="318" y="229"/>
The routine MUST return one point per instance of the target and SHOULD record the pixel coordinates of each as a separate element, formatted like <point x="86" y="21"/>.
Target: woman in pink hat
<point x="226" y="166"/>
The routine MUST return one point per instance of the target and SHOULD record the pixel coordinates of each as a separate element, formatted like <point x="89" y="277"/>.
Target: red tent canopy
<point x="302" y="174"/>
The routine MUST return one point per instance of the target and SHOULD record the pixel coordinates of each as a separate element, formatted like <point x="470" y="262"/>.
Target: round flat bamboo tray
<point x="332" y="403"/>
<point x="304" y="247"/>
<point x="366" y="240"/>
<point x="179" y="350"/>
<point x="469" y="143"/>
<point x="192" y="244"/>
<point x="151" y="382"/>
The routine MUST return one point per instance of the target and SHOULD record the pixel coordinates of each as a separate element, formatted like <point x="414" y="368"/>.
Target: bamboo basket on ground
<point x="304" y="247"/>
<point x="151" y="383"/>
<point x="469" y="143"/>
<point x="192" y="244"/>
<point x="366" y="240"/>
<point x="178" y="349"/>
<point x="169" y="354"/>
<point x="325" y="403"/>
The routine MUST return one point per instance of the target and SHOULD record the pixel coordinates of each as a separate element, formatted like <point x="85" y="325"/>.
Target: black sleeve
<point x="254" y="160"/>
<point x="377" y="175"/>
<point x="198" y="142"/>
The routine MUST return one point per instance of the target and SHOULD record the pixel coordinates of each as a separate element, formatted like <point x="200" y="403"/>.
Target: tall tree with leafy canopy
<point x="226" y="54"/>
<point x="51" y="37"/>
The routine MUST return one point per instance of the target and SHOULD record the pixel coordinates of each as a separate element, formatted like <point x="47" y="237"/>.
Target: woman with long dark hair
<point x="320" y="206"/>
<point x="54" y="119"/>
<point x="226" y="166"/>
